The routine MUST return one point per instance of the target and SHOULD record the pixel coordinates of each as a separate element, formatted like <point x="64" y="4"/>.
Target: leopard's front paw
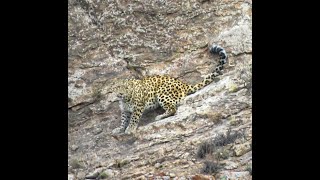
<point x="117" y="130"/>
<point x="130" y="130"/>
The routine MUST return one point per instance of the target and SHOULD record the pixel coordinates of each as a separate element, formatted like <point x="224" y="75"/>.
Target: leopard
<point x="148" y="93"/>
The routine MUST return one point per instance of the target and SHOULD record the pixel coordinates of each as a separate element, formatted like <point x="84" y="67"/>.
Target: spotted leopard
<point x="137" y="96"/>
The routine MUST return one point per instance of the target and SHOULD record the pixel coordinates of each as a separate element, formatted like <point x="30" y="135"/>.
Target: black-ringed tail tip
<point x="216" y="49"/>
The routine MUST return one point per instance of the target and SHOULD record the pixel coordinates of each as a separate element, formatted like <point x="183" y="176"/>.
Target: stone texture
<point x="71" y="177"/>
<point x="81" y="175"/>
<point x="116" y="39"/>
<point x="241" y="149"/>
<point x="245" y="175"/>
<point x="74" y="147"/>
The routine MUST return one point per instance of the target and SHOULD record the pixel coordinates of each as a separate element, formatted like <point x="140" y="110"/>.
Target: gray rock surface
<point x="116" y="39"/>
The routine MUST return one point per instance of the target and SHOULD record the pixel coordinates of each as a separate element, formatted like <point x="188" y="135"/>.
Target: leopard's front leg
<point x="135" y="118"/>
<point x="125" y="118"/>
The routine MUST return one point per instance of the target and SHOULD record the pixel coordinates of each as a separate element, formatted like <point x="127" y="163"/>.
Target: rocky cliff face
<point x="210" y="135"/>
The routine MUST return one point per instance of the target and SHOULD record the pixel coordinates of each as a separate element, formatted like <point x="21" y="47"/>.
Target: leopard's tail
<point x="214" y="49"/>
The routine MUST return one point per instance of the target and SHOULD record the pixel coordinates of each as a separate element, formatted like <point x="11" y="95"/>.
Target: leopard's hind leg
<point x="169" y="104"/>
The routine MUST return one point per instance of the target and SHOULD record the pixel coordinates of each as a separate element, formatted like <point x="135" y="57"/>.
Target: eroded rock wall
<point x="110" y="40"/>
